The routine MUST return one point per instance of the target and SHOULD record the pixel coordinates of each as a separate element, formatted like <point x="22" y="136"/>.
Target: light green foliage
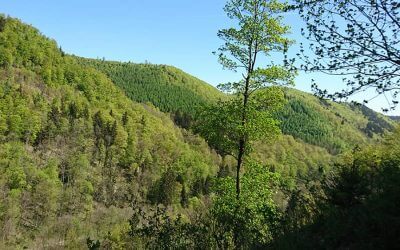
<point x="294" y="158"/>
<point x="29" y="194"/>
<point x="71" y="143"/>
<point x="221" y="124"/>
<point x="19" y="117"/>
<point x="247" y="216"/>
<point x="255" y="215"/>
<point x="259" y="32"/>
<point x="231" y="126"/>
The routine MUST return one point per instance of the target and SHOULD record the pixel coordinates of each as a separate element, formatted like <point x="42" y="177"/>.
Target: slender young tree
<point x="231" y="126"/>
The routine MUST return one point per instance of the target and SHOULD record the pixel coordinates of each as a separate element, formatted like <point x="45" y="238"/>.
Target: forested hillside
<point x="395" y="118"/>
<point x="75" y="153"/>
<point x="335" y="127"/>
<point x="166" y="87"/>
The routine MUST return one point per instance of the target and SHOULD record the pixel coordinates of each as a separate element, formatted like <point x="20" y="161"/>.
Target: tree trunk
<point x="242" y="141"/>
<point x="239" y="165"/>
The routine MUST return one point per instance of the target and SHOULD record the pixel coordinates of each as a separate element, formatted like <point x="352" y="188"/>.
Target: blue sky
<point x="181" y="33"/>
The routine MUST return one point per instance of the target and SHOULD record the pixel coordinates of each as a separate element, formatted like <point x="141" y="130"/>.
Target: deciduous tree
<point x="357" y="39"/>
<point x="231" y="126"/>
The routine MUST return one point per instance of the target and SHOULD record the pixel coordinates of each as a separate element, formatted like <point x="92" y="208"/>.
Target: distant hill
<point x="395" y="118"/>
<point x="166" y="87"/>
<point x="334" y="126"/>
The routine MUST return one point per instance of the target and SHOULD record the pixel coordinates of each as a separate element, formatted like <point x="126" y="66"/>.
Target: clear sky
<point x="181" y="33"/>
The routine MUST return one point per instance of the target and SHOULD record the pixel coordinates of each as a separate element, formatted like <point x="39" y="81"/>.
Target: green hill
<point x="395" y="118"/>
<point x="166" y="87"/>
<point x="334" y="126"/>
<point x="74" y="148"/>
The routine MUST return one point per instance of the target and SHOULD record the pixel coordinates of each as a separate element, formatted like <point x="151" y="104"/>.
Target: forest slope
<point x="74" y="148"/>
<point x="166" y="87"/>
<point x="333" y="126"/>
